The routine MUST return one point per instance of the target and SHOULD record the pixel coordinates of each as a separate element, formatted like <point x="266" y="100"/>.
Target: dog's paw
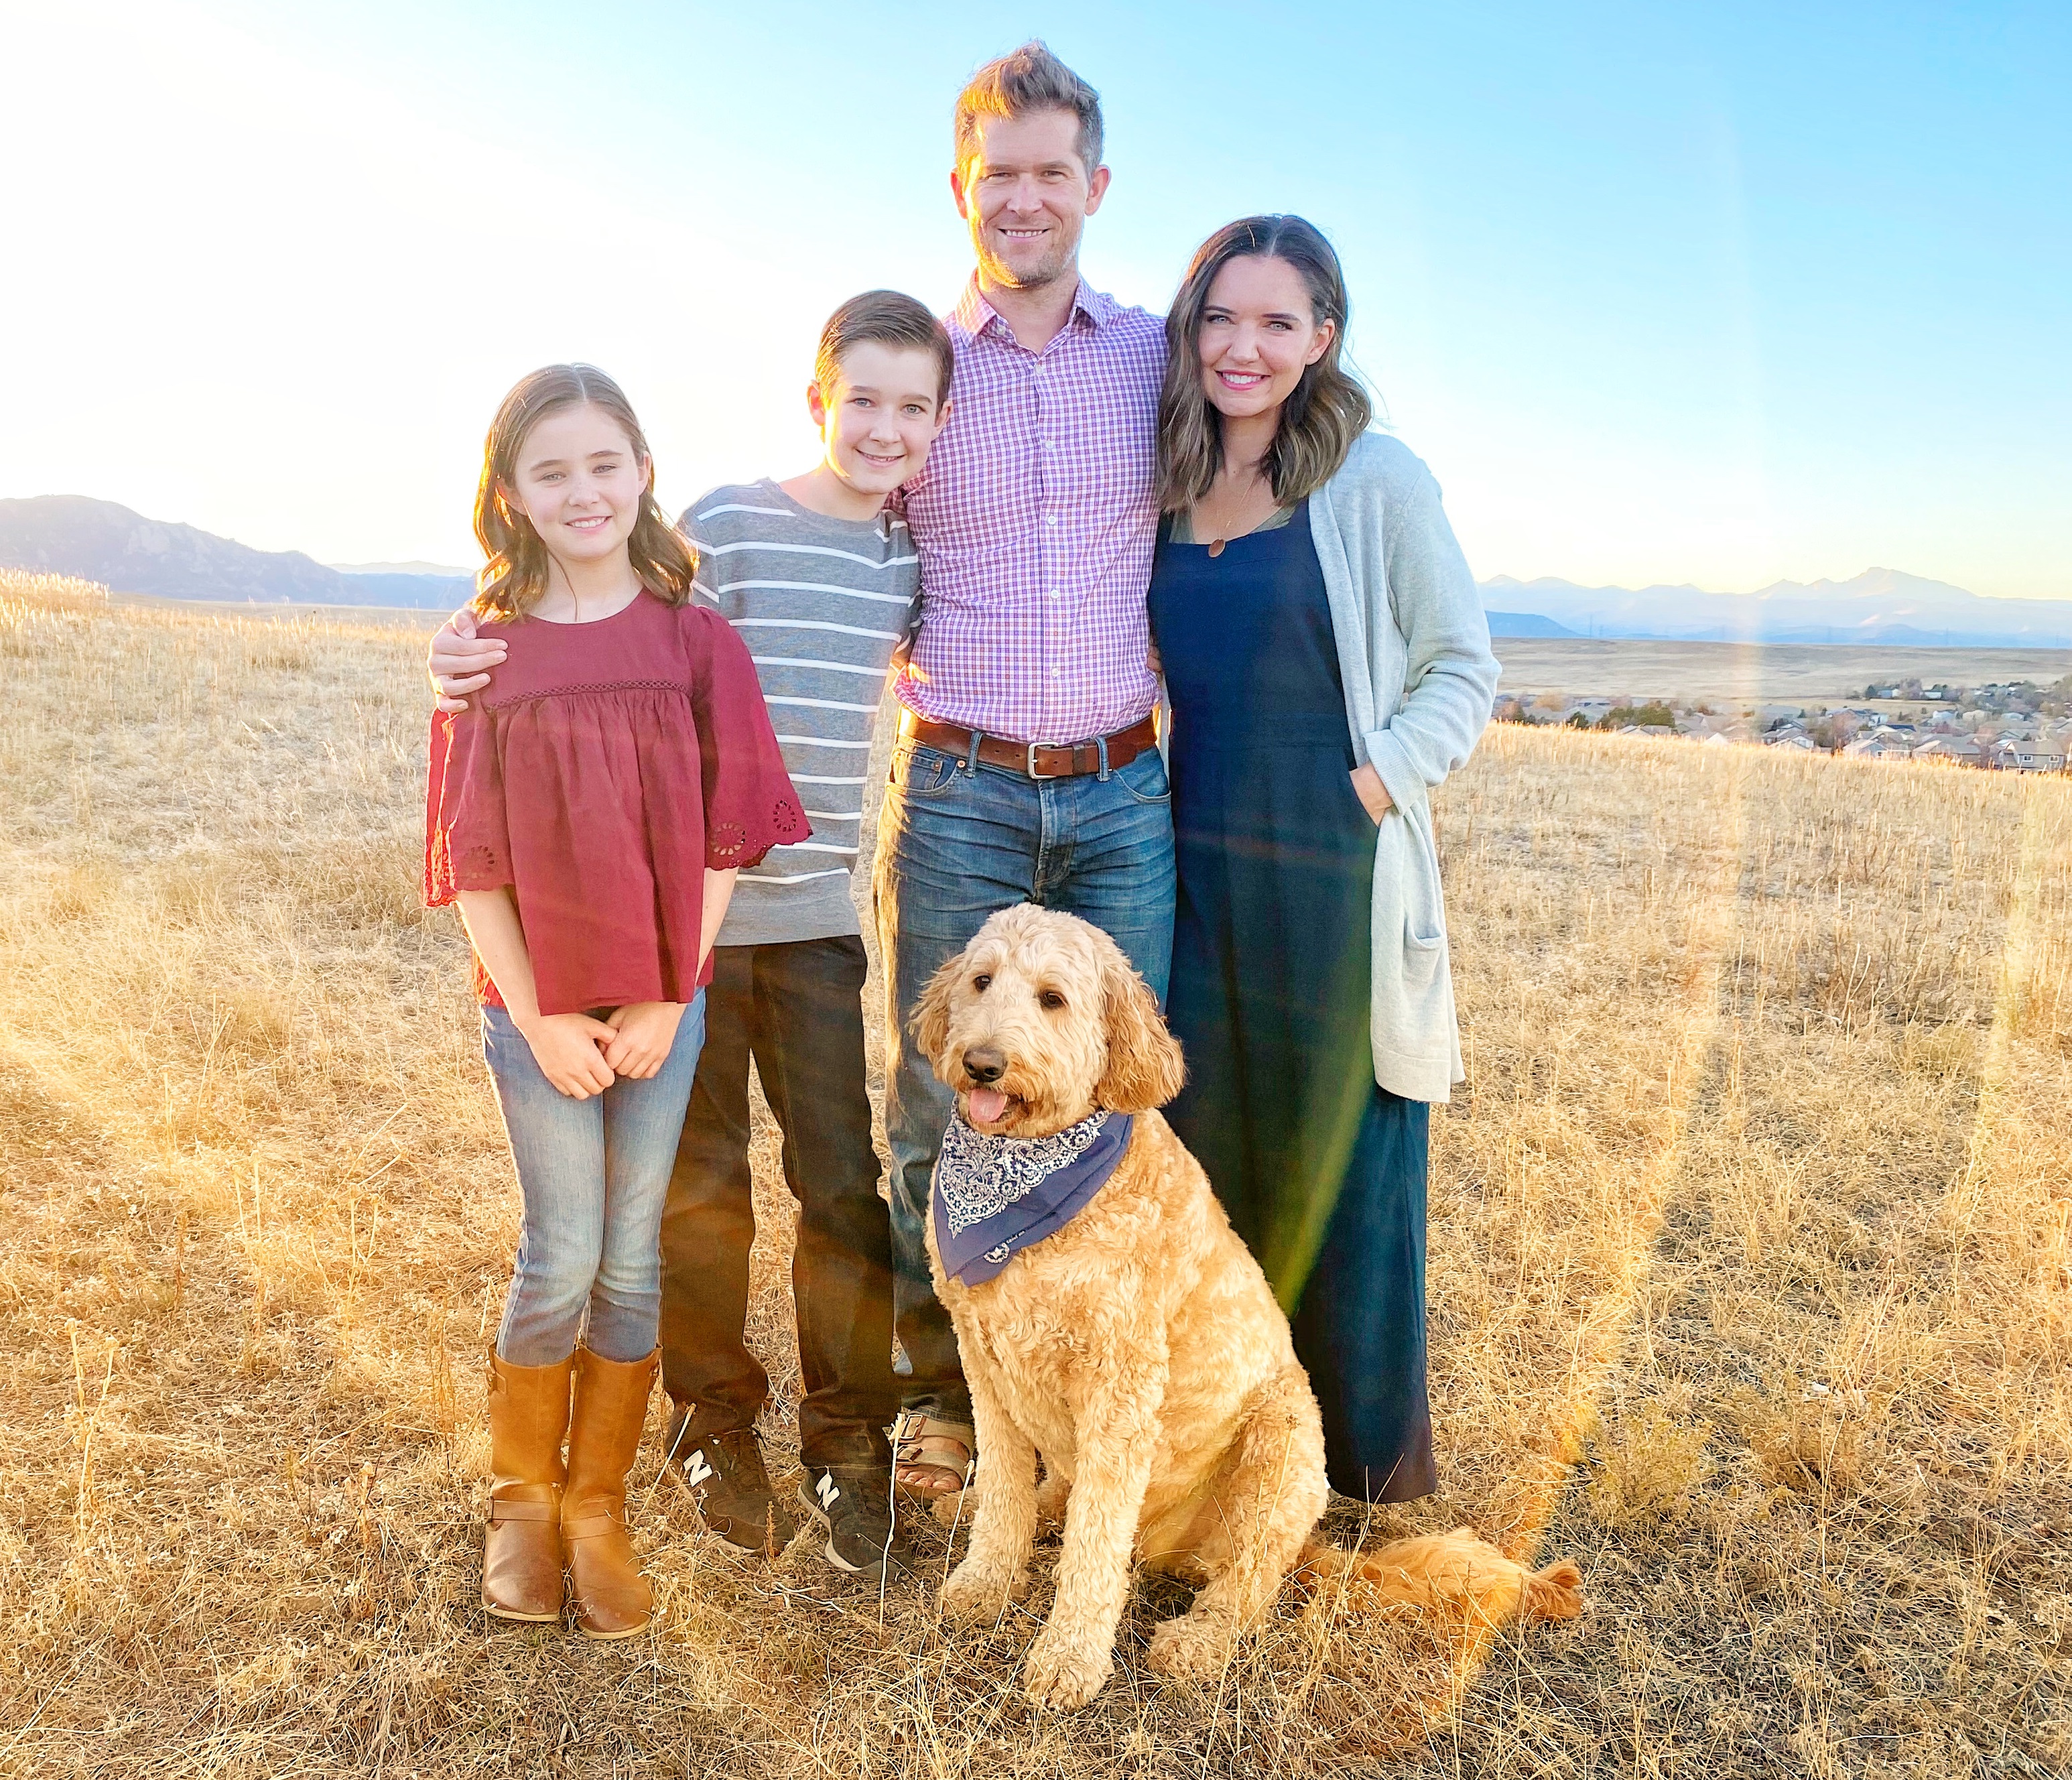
<point x="1189" y="1649"/>
<point x="974" y="1594"/>
<point x="1052" y="1494"/>
<point x="1064" y="1673"/>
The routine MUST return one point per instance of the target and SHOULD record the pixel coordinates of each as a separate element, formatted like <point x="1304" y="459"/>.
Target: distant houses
<point x="2046" y="755"/>
<point x="2013" y="726"/>
<point x="1959" y="750"/>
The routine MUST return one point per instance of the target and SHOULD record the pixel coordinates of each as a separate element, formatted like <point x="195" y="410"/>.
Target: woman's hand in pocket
<point x="642" y="1035"/>
<point x="1372" y="794"/>
<point x="566" y="1047"/>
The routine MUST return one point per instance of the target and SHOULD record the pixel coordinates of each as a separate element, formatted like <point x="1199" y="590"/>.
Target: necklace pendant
<point x="1216" y="547"/>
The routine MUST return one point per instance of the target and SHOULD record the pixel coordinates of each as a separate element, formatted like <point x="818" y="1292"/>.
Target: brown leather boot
<point x="611" y="1596"/>
<point x="521" y="1556"/>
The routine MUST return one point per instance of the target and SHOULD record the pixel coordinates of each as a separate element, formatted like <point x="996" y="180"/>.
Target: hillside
<point x="1748" y="1289"/>
<point x="100" y="540"/>
<point x="372" y="587"/>
<point x="1525" y="624"/>
<point x="1735" y="676"/>
<point x="1880" y="607"/>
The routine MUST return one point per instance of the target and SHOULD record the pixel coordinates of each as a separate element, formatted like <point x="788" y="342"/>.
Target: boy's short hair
<point x="1026" y="79"/>
<point x="887" y="317"/>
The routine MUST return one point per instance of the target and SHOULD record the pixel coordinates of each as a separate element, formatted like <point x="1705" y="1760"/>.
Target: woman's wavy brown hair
<point x="511" y="581"/>
<point x="1325" y="412"/>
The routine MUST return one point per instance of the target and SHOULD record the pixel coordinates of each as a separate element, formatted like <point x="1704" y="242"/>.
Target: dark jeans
<point x="956" y="845"/>
<point x="796" y="1009"/>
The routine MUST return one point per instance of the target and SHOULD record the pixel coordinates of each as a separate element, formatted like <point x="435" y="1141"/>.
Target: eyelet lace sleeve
<point x="467" y="841"/>
<point x="749" y="804"/>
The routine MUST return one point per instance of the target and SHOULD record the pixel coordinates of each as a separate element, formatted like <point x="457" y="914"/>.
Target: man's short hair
<point x="1025" y="81"/>
<point x="887" y="317"/>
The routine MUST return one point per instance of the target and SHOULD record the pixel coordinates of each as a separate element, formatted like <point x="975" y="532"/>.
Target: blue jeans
<point x="956" y="843"/>
<point x="593" y="1175"/>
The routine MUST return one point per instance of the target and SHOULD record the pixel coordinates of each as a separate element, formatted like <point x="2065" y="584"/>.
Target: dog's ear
<point x="1144" y="1068"/>
<point x="931" y="1017"/>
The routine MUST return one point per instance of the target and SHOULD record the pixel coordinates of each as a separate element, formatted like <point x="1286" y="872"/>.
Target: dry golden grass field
<point x="1750" y="1288"/>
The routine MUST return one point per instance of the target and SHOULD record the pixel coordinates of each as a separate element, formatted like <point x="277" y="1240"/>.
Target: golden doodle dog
<point x="1136" y="1345"/>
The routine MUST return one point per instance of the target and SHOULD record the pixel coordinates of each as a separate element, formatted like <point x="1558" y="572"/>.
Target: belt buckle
<point x="1030" y="763"/>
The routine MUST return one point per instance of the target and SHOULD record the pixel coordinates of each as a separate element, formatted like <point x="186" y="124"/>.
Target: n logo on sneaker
<point x="826" y="1489"/>
<point x="696" y="1470"/>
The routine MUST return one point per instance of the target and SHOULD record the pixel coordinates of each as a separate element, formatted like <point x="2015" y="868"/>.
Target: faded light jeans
<point x="956" y="844"/>
<point x="593" y="1175"/>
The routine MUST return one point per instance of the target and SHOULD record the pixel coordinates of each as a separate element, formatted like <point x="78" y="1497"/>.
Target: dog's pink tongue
<point x="987" y="1104"/>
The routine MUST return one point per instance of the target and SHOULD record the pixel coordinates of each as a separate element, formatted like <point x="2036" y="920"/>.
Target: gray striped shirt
<point x="821" y="604"/>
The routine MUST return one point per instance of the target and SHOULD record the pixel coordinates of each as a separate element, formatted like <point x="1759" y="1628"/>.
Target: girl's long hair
<point x="1324" y="413"/>
<point x="511" y="581"/>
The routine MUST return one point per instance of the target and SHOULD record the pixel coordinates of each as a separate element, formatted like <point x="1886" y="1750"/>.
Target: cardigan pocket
<point x="1409" y="917"/>
<point x="1411" y="1007"/>
<point x="1423" y="901"/>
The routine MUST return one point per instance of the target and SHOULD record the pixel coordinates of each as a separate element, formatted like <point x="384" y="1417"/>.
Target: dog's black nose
<point x="985" y="1065"/>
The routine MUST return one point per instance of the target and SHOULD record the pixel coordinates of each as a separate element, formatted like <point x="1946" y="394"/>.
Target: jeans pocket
<point x="1144" y="778"/>
<point x="924" y="773"/>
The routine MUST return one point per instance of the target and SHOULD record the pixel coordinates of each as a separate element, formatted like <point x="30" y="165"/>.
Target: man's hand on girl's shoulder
<point x="459" y="662"/>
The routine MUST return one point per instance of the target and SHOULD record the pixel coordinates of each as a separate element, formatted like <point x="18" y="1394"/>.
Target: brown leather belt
<point x="1037" y="759"/>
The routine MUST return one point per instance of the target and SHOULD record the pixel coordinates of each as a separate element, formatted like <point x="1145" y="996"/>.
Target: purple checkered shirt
<point x="1035" y="520"/>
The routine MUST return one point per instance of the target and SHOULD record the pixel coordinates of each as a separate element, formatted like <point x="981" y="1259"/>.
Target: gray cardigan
<point x="1414" y="653"/>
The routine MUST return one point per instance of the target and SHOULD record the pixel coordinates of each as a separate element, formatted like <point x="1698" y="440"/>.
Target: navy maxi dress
<point x="1321" y="1171"/>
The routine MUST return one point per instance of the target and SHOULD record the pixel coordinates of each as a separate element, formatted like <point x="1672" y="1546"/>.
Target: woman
<point x="1328" y="664"/>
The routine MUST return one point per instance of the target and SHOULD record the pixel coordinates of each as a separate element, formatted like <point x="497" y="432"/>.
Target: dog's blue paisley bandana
<point x="994" y="1196"/>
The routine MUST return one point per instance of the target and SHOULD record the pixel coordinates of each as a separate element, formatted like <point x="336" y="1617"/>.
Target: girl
<point x="589" y="816"/>
<point x="1328" y="663"/>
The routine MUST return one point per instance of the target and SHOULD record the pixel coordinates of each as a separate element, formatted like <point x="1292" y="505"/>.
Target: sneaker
<point x="853" y="1504"/>
<point x="725" y="1477"/>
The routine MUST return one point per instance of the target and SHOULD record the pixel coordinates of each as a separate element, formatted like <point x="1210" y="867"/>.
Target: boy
<point x="819" y="578"/>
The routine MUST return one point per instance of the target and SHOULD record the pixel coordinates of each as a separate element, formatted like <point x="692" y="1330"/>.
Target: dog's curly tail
<point x="1455" y="1569"/>
<point x="1556" y="1591"/>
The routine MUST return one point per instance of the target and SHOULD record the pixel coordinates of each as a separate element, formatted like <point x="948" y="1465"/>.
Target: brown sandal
<point x="946" y="1452"/>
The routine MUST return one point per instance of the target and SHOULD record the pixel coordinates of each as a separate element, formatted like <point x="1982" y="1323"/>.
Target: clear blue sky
<point x="1661" y="293"/>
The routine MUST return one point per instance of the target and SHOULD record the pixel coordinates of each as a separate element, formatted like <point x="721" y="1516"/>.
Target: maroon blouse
<point x="599" y="774"/>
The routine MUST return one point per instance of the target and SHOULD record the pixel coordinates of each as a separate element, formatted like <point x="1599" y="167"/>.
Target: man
<point x="1026" y="769"/>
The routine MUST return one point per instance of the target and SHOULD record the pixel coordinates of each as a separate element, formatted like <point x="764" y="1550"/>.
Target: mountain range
<point x="99" y="541"/>
<point x="1879" y="605"/>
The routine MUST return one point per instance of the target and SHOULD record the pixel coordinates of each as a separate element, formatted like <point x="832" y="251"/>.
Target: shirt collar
<point x="974" y="314"/>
